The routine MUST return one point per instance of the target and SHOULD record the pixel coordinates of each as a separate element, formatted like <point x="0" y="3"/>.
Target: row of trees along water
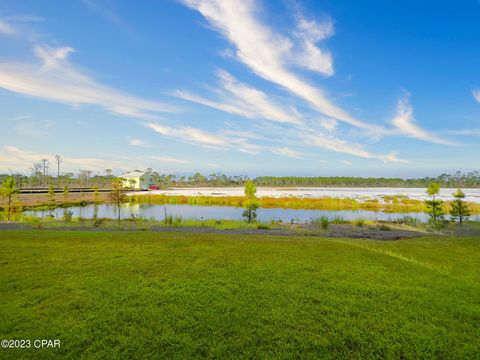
<point x="459" y="209"/>
<point x="40" y="178"/>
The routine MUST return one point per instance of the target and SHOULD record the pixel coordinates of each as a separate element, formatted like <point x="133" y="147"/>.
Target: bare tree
<point x="36" y="172"/>
<point x="108" y="174"/>
<point x="59" y="159"/>
<point x="44" y="163"/>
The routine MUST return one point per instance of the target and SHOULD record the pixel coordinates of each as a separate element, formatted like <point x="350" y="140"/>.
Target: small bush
<point x="384" y="227"/>
<point x="168" y="220"/>
<point x="322" y="221"/>
<point x="408" y="220"/>
<point x="359" y="222"/>
<point x="98" y="222"/>
<point x="67" y="216"/>
<point x="338" y="220"/>
<point x="263" y="227"/>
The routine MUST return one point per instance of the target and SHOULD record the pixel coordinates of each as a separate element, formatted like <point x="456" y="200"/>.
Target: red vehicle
<point x="153" y="187"/>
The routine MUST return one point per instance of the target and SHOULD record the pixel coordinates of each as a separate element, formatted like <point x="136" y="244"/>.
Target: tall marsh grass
<point x="397" y="205"/>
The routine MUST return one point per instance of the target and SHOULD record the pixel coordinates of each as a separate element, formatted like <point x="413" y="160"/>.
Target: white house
<point x="136" y="180"/>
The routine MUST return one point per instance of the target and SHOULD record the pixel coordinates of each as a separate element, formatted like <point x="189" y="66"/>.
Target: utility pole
<point x="59" y="160"/>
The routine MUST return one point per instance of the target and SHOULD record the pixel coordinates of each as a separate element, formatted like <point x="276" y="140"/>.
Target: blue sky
<point x="370" y="88"/>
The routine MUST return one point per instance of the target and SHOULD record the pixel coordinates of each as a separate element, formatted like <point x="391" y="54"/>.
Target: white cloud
<point x="33" y="128"/>
<point x="392" y="157"/>
<point x="463" y="132"/>
<point x="6" y="28"/>
<point x="138" y="142"/>
<point x="310" y="56"/>
<point x="56" y="79"/>
<point x="476" y="95"/>
<point x="346" y="162"/>
<point x="13" y="158"/>
<point x="404" y="122"/>
<point x="241" y="99"/>
<point x="201" y="137"/>
<point x="285" y="151"/>
<point x="101" y="8"/>
<point x="344" y="147"/>
<point x="212" y="165"/>
<point x="328" y="123"/>
<point x="168" y="159"/>
<point x="265" y="52"/>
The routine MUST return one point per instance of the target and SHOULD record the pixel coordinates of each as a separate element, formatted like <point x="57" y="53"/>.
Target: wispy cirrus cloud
<point x="138" y="143"/>
<point x="12" y="25"/>
<point x="308" y="33"/>
<point x="204" y="138"/>
<point x="54" y="78"/>
<point x="6" y="28"/>
<point x="405" y="123"/>
<point x="27" y="126"/>
<point x="268" y="53"/>
<point x="345" y="147"/>
<point x="101" y="7"/>
<point x="238" y="98"/>
<point x="16" y="159"/>
<point x="476" y="95"/>
<point x="288" y="152"/>
<point x="168" y="159"/>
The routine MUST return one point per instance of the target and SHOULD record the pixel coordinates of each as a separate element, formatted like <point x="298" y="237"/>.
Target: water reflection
<point x="158" y="212"/>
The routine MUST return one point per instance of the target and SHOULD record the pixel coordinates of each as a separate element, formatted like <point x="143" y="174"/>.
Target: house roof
<point x="133" y="174"/>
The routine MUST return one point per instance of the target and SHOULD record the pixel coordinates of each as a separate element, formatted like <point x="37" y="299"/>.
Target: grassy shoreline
<point x="388" y="204"/>
<point x="338" y="227"/>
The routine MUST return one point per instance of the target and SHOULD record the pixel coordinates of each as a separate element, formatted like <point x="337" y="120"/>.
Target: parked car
<point x="153" y="187"/>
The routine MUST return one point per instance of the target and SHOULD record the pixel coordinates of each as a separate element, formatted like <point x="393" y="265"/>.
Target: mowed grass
<point x="177" y="295"/>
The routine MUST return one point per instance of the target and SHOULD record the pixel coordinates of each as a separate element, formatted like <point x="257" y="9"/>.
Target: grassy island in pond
<point x="164" y="295"/>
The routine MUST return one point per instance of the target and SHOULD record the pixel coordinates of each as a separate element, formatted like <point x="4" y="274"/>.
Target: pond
<point x="158" y="212"/>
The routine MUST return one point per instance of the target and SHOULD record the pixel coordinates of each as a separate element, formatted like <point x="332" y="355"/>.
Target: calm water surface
<point x="157" y="212"/>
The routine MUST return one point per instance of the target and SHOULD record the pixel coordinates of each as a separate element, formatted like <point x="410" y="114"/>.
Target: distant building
<point x="136" y="180"/>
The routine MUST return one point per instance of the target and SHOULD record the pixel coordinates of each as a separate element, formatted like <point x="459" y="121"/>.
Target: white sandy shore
<point x="472" y="195"/>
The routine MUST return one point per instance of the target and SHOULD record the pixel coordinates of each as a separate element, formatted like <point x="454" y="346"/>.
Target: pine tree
<point x="460" y="210"/>
<point x="51" y="194"/>
<point x="434" y="206"/>
<point x="250" y="204"/>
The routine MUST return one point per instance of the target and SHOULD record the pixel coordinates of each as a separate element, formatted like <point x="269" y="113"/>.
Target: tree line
<point x="40" y="178"/>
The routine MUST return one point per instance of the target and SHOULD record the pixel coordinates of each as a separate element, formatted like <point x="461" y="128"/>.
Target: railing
<point x="70" y="190"/>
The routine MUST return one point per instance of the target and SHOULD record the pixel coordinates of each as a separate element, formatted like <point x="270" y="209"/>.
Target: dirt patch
<point x="370" y="232"/>
<point x="336" y="230"/>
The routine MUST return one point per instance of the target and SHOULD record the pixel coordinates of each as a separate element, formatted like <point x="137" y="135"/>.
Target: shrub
<point x="168" y="220"/>
<point x="98" y="222"/>
<point x="263" y="227"/>
<point x="322" y="221"/>
<point x="408" y="220"/>
<point x="67" y="216"/>
<point x="359" y="222"/>
<point x="338" y="220"/>
<point x="384" y="227"/>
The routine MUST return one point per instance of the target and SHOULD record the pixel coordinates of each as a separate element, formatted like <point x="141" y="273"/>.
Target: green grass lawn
<point x="178" y="295"/>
